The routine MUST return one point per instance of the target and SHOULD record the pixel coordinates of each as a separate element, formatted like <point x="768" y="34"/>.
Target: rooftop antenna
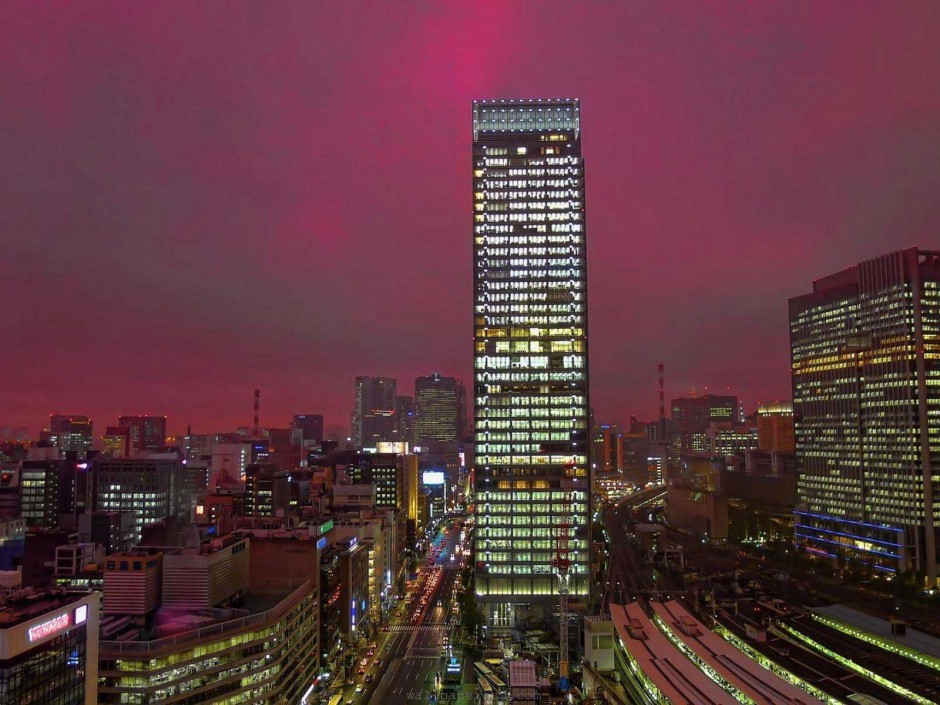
<point x="256" y="429"/>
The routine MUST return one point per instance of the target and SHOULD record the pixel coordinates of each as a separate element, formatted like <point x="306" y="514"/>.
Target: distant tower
<point x="662" y="391"/>
<point x="256" y="427"/>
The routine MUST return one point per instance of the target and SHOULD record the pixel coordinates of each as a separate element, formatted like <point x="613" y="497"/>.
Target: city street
<point x="412" y="653"/>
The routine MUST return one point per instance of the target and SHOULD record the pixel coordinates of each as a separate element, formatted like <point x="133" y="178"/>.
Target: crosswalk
<point x="418" y="628"/>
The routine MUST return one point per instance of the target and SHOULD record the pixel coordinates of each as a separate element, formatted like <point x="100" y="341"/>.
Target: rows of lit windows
<point x="519" y="194"/>
<point x="533" y="346"/>
<point x="512" y="361"/>
<point x="573" y="400"/>
<point x="528" y="237"/>
<point x="494" y="251"/>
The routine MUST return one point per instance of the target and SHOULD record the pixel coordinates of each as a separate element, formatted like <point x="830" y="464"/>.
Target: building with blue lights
<point x="865" y="346"/>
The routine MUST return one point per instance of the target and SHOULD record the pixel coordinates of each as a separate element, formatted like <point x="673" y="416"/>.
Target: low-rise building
<point x="261" y="654"/>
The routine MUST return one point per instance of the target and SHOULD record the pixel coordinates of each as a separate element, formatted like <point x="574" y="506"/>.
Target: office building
<point x="691" y="417"/>
<point x="530" y="355"/>
<point x="373" y="418"/>
<point x="115" y="531"/>
<point x="147" y="433"/>
<point x="386" y="473"/>
<point x="267" y="490"/>
<point x="311" y="428"/>
<point x="71" y="433"/>
<point x="49" y="649"/>
<point x="47" y="489"/>
<point x="607" y="448"/>
<point x="263" y="653"/>
<point x="117" y="441"/>
<point x="354" y="595"/>
<point x="440" y="404"/>
<point x="775" y="426"/>
<point x="405" y="415"/>
<point x="231" y="460"/>
<point x="730" y="438"/>
<point x="150" y="487"/>
<point x="865" y="345"/>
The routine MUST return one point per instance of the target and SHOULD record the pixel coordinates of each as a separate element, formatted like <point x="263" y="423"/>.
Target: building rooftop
<point x="881" y="628"/>
<point x="677" y="678"/>
<point x="23" y="605"/>
<point x="175" y="628"/>
<point x="522" y="674"/>
<point x="740" y="671"/>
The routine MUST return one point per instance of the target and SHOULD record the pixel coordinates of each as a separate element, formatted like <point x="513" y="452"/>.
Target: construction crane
<point x="561" y="563"/>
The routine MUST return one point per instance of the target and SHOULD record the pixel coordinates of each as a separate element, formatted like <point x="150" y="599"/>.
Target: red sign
<point x="50" y="627"/>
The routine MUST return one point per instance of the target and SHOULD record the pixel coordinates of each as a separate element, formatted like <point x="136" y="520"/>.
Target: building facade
<point x="865" y="346"/>
<point x="49" y="649"/>
<point x="47" y="491"/>
<point x="149" y="487"/>
<point x="311" y="426"/>
<point x="373" y="418"/>
<point x="266" y="657"/>
<point x="775" y="426"/>
<point x="71" y="432"/>
<point x="530" y="355"/>
<point x="405" y="416"/>
<point x="691" y="417"/>
<point x="440" y="403"/>
<point x="147" y="433"/>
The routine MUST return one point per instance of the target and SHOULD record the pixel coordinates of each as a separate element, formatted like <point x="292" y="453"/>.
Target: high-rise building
<point x="440" y="403"/>
<point x="373" y="418"/>
<point x="532" y="478"/>
<point x="52" y="490"/>
<point x="607" y="448"/>
<point x="147" y="433"/>
<point x="71" y="432"/>
<point x="865" y="361"/>
<point x="405" y="415"/>
<point x="691" y="417"/>
<point x="311" y="425"/>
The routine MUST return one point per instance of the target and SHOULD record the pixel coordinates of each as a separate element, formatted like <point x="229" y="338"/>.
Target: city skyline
<point x="192" y="238"/>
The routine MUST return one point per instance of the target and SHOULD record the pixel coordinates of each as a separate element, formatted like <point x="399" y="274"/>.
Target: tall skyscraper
<point x="147" y="433"/>
<point x="440" y="403"/>
<point x="530" y="354"/>
<point x="405" y="416"/>
<point x="71" y="432"/>
<point x="373" y="418"/>
<point x="865" y="360"/>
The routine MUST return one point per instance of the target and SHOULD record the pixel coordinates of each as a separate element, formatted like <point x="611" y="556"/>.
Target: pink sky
<point x="201" y="199"/>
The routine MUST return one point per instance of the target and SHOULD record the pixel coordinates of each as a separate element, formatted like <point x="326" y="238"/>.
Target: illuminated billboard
<point x="432" y="477"/>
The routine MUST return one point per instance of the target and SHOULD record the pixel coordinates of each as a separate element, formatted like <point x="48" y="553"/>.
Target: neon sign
<point x="50" y="627"/>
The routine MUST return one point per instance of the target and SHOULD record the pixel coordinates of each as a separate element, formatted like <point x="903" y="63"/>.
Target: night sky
<point x="200" y="198"/>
